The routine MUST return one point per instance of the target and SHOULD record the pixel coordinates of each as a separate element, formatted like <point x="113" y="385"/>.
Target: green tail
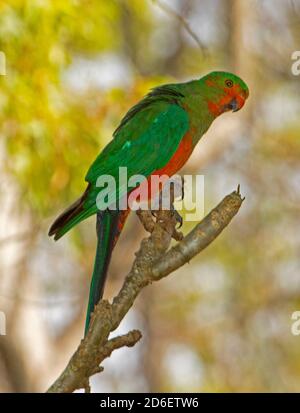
<point x="70" y="217"/>
<point x="108" y="230"/>
<point x="109" y="227"/>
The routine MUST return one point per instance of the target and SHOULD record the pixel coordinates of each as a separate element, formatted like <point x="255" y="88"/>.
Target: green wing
<point x="145" y="143"/>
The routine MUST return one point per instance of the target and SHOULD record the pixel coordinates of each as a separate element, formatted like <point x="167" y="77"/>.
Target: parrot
<point x="155" y="137"/>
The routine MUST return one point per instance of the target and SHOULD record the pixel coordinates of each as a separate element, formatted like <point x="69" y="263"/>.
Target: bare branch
<point x="154" y="260"/>
<point x="200" y="237"/>
<point x="184" y="24"/>
<point x="74" y="373"/>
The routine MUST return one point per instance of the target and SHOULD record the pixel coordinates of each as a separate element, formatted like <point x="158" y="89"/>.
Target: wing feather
<point x="145" y="143"/>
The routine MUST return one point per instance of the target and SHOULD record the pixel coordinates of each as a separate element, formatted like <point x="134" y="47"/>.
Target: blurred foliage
<point x="52" y="134"/>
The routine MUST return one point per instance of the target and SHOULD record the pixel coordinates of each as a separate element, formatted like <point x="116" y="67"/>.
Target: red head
<point x="225" y="91"/>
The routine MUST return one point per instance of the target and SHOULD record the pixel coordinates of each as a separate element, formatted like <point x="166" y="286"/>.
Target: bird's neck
<point x="200" y="119"/>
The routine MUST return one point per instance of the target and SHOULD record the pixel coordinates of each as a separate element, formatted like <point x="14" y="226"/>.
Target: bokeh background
<point x="73" y="68"/>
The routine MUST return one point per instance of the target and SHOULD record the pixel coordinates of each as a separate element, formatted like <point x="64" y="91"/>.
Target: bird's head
<point x="224" y="91"/>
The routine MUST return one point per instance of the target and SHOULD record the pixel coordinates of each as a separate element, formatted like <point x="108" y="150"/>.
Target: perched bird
<point x="156" y="137"/>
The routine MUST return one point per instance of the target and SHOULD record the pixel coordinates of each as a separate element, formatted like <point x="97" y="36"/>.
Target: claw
<point x="178" y="218"/>
<point x="182" y="188"/>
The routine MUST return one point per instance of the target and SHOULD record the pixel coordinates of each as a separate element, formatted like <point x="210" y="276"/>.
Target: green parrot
<point x="155" y="137"/>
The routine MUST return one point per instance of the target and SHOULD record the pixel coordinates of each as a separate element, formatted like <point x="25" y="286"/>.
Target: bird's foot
<point x="174" y="215"/>
<point x="169" y="218"/>
<point x="146" y="218"/>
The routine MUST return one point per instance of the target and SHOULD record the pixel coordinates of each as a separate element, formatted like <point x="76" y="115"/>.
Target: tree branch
<point x="184" y="24"/>
<point x="154" y="260"/>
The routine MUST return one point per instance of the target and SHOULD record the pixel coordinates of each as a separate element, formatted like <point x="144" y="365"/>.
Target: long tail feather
<point x="109" y="227"/>
<point x="70" y="217"/>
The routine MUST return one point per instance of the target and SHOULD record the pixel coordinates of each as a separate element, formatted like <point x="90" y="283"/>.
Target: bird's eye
<point x="229" y="83"/>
